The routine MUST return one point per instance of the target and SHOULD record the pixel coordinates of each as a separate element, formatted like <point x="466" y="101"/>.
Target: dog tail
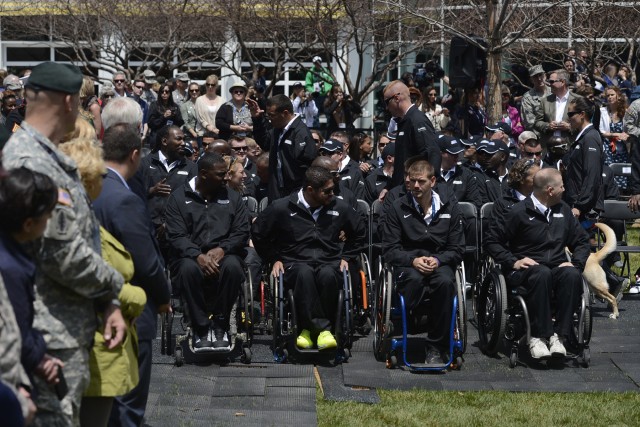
<point x="610" y="244"/>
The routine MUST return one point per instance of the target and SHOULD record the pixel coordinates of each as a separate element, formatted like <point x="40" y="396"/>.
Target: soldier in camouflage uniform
<point x="531" y="99"/>
<point x="72" y="280"/>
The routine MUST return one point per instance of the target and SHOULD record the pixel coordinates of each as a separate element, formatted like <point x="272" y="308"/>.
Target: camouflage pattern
<point x="72" y="279"/>
<point x="12" y="373"/>
<point x="66" y="412"/>
<point x="529" y="108"/>
<point x="632" y="119"/>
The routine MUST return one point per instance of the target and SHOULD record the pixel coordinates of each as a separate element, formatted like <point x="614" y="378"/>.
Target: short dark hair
<point x="119" y="141"/>
<point x="422" y="166"/>
<point x="163" y="133"/>
<point x="316" y="177"/>
<point x="209" y="160"/>
<point x="282" y="103"/>
<point x="25" y="194"/>
<point x="582" y="104"/>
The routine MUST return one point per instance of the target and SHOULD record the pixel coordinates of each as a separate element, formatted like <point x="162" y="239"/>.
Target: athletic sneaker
<point x="326" y="340"/>
<point x="556" y="348"/>
<point x="538" y="349"/>
<point x="304" y="340"/>
<point x="201" y="343"/>
<point x="221" y="340"/>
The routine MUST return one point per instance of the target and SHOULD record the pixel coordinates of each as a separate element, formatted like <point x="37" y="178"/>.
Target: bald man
<point x="416" y="136"/>
<point x="529" y="243"/>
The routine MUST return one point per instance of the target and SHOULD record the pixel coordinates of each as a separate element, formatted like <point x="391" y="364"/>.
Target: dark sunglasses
<point x="240" y="149"/>
<point x="238" y="92"/>
<point x="532" y="154"/>
<point x="140" y="87"/>
<point x="573" y="113"/>
<point x="553" y="81"/>
<point x="194" y="90"/>
<point x="211" y="85"/>
<point x="166" y="91"/>
<point x="388" y="100"/>
<point x="118" y="81"/>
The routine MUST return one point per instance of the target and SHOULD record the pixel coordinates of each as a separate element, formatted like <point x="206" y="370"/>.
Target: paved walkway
<point x="265" y="393"/>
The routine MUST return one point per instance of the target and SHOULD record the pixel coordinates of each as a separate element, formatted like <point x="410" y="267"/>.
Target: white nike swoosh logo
<point x="188" y="201"/>
<point x="531" y="218"/>
<point x="151" y="167"/>
<point x="293" y="214"/>
<point x="407" y="216"/>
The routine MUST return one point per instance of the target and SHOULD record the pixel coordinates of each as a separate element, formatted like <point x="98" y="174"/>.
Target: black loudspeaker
<point x="467" y="63"/>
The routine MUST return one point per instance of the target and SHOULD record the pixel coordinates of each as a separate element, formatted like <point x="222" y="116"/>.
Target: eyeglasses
<point x="238" y="92"/>
<point x="573" y="113"/>
<point x="119" y="81"/>
<point x="139" y="87"/>
<point x="532" y="153"/>
<point x="388" y="100"/>
<point x="166" y="91"/>
<point x="194" y="90"/>
<point x="211" y="85"/>
<point x="554" y="81"/>
<point x="240" y="149"/>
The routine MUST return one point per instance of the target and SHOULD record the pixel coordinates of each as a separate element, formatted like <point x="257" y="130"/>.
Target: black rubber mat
<point x="230" y="386"/>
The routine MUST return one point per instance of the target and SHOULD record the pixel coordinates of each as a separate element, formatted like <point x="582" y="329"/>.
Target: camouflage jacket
<point x="632" y="119"/>
<point x="72" y="279"/>
<point x="12" y="374"/>
<point x="529" y="108"/>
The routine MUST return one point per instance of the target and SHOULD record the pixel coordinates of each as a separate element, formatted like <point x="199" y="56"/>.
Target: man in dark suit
<point x="289" y="143"/>
<point x="125" y="215"/>
<point x="552" y="122"/>
<point x="416" y="136"/>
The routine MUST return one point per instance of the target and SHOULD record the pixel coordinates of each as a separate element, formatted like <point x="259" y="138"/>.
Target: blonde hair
<point x="251" y="143"/>
<point x="212" y="79"/>
<point x="87" y="89"/>
<point x="89" y="159"/>
<point x="83" y="130"/>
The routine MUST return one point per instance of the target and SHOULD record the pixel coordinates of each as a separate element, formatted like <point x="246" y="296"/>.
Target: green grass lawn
<point x="438" y="408"/>
<point x="451" y="408"/>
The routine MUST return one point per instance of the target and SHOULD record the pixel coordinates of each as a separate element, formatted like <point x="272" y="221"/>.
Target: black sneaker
<point x="201" y="343"/>
<point x="221" y="341"/>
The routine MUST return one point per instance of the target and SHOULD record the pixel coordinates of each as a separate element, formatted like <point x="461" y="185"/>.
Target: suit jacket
<point x="126" y="217"/>
<point x="547" y="114"/>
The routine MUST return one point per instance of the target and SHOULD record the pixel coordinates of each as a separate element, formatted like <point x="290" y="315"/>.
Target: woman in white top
<point x="438" y="116"/>
<point x="207" y="106"/>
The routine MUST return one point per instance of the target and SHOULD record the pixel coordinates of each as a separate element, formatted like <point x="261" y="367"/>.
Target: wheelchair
<point x="286" y="329"/>
<point x="502" y="314"/>
<point x="240" y="330"/>
<point x="390" y="313"/>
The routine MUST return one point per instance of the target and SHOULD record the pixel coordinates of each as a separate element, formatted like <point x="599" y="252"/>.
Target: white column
<point x="231" y="60"/>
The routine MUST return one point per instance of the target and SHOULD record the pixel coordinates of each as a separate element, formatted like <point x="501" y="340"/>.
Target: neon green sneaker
<point x="304" y="340"/>
<point x="326" y="340"/>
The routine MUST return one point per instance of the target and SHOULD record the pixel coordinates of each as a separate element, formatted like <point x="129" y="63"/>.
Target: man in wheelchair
<point x="529" y="243"/>
<point x="423" y="238"/>
<point x="208" y="230"/>
<point x="300" y="235"/>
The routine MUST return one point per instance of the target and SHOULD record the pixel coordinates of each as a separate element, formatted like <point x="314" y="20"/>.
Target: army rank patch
<point x="64" y="198"/>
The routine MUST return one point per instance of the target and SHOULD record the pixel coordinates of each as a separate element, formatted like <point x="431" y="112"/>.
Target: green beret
<point x="55" y="77"/>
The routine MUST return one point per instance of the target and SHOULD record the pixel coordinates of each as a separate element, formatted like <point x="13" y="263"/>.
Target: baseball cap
<point x="472" y="141"/>
<point x="492" y="146"/>
<point x="389" y="150"/>
<point x="149" y="77"/>
<point x="535" y="70"/>
<point x="450" y="144"/>
<point x="332" y="146"/>
<point x="183" y="77"/>
<point x="500" y="126"/>
<point x="526" y="136"/>
<point x="12" y="82"/>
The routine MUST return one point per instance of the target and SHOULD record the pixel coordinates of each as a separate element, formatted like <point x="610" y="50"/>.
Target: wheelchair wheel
<point x="581" y="331"/>
<point x="382" y="326"/>
<point x="248" y="308"/>
<point x="492" y="307"/>
<point x="166" y="344"/>
<point x="460" y="332"/>
<point x="486" y="264"/>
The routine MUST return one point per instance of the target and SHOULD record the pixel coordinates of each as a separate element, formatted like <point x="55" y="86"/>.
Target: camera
<point x="426" y="74"/>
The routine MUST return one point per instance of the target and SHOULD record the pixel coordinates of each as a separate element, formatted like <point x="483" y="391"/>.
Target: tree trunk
<point x="494" y="96"/>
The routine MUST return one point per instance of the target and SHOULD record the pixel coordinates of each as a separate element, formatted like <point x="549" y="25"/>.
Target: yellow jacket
<point x="115" y="372"/>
